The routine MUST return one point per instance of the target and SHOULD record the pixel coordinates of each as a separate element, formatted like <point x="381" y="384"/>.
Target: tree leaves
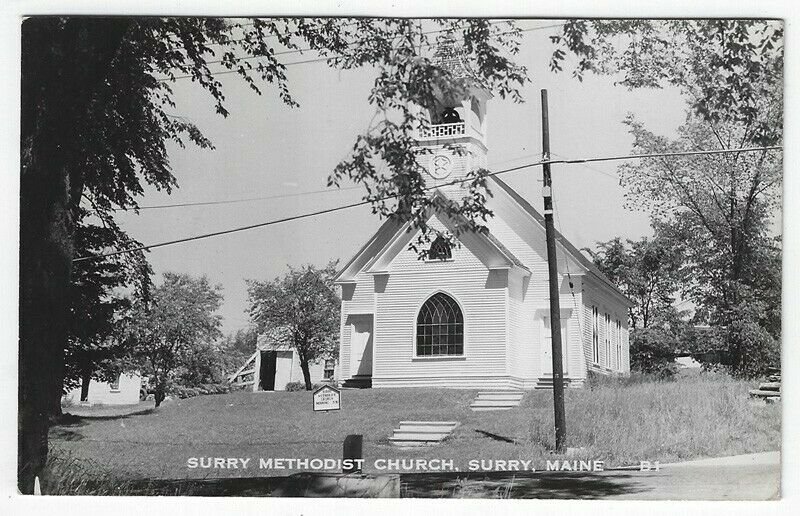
<point x="162" y="331"/>
<point x="729" y="69"/>
<point x="299" y="310"/>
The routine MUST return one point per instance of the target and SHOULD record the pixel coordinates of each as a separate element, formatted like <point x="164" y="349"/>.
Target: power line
<point x="661" y="155"/>
<point x="457" y="181"/>
<point x="301" y="50"/>
<point x="236" y="201"/>
<point x="277" y="196"/>
<point x="321" y="59"/>
<point x="279" y="221"/>
<point x="612" y="176"/>
<point x="566" y="264"/>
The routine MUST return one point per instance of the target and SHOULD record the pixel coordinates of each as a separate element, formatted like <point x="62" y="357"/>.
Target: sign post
<point x="327" y="398"/>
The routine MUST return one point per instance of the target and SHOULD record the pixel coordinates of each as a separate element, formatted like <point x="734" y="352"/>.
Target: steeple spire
<point x="450" y="57"/>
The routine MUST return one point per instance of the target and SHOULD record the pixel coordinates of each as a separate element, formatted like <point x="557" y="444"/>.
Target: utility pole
<point x="552" y="268"/>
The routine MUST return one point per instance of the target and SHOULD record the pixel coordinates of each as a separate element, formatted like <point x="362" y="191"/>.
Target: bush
<point x="203" y="389"/>
<point x="300" y="386"/>
<point x="653" y="352"/>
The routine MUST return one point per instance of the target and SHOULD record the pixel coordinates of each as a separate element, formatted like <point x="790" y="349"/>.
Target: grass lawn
<point x="703" y="416"/>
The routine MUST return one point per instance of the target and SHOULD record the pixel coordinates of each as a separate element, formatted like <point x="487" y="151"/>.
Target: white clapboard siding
<point x="356" y="299"/>
<point x="481" y="293"/>
<point x="595" y="295"/>
<point x="525" y="320"/>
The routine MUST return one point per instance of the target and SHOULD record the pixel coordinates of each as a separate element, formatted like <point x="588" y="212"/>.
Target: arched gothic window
<point x="440" y="327"/>
<point x="439" y="250"/>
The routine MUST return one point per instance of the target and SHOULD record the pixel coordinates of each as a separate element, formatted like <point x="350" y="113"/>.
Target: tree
<point x="96" y="119"/>
<point x="300" y="310"/>
<point x="717" y="211"/>
<point x="648" y="271"/>
<point x="98" y="298"/>
<point x="731" y="72"/>
<point x="726" y="68"/>
<point x="164" y="332"/>
<point x="238" y="347"/>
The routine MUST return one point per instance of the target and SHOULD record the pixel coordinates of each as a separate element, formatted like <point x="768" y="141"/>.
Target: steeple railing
<point x="435" y="131"/>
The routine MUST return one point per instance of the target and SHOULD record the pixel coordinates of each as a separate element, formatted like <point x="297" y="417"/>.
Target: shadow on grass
<point x="312" y="485"/>
<point x="517" y="485"/>
<point x="496" y="437"/>
<point x="79" y="420"/>
<point x="416" y="485"/>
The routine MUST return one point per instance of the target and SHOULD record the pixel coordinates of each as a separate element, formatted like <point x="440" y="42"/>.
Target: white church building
<point x="477" y="315"/>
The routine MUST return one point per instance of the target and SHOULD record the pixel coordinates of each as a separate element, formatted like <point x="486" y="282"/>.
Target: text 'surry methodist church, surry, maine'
<point x="476" y="315"/>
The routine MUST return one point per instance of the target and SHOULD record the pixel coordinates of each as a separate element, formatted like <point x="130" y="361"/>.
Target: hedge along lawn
<point x="622" y="425"/>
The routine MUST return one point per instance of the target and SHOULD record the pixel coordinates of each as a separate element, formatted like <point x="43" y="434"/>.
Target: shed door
<point x="269" y="361"/>
<point x="547" y="346"/>
<point x="360" y="345"/>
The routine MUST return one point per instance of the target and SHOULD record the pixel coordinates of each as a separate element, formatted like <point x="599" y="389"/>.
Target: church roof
<point x="392" y="227"/>
<point x="590" y="266"/>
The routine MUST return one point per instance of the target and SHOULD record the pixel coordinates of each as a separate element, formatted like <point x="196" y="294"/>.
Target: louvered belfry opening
<point x="440" y="327"/>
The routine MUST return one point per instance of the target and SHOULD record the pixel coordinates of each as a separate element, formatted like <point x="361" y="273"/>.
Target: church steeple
<point x="457" y="119"/>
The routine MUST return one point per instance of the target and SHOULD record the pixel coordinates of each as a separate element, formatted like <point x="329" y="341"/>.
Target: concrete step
<point x="770" y="386"/>
<point x="513" y="397"/>
<point x="421" y="433"/>
<point x="425" y="429"/>
<point x="407" y="443"/>
<point x="497" y="400"/>
<point x="432" y="423"/>
<point x="494" y="403"/>
<point x="419" y="436"/>
<point x="764" y="394"/>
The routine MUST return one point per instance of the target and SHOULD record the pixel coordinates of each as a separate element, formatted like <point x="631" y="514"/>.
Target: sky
<point x="265" y="148"/>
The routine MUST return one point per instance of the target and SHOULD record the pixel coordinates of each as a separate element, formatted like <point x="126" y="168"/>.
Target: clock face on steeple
<point x="440" y="167"/>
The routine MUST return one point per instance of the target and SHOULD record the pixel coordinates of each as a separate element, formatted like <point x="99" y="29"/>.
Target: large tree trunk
<point x="306" y="373"/>
<point x="61" y="65"/>
<point x="45" y="266"/>
<point x="86" y="379"/>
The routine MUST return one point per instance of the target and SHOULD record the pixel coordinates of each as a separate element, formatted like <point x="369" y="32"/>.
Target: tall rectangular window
<point x="607" y="332"/>
<point x="619" y="345"/>
<point x="327" y="373"/>
<point x="595" y="336"/>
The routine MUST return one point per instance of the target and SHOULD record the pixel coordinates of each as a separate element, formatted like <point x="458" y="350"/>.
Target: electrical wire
<point x="321" y="59"/>
<point x="363" y="203"/>
<point x="278" y="221"/>
<point x="236" y="201"/>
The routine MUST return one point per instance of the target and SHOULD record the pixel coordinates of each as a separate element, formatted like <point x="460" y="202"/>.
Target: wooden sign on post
<point x="327" y="398"/>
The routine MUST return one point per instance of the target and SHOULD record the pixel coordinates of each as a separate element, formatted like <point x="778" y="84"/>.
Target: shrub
<point x="183" y="392"/>
<point x="300" y="386"/>
<point x="295" y="386"/>
<point x="653" y="352"/>
<point x="752" y="349"/>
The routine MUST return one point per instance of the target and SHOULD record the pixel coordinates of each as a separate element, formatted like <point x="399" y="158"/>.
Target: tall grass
<point x="624" y="422"/>
<point x="66" y="474"/>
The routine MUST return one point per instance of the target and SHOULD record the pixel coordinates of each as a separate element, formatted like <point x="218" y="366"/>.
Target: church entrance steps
<point x="546" y="382"/>
<point x="496" y="400"/>
<point x="421" y="433"/>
